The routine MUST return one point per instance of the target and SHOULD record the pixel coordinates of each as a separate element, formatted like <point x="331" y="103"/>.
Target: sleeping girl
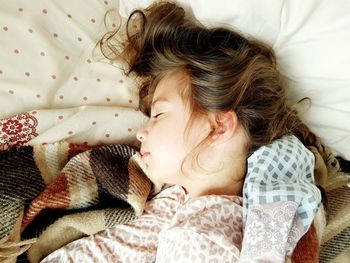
<point x="239" y="183"/>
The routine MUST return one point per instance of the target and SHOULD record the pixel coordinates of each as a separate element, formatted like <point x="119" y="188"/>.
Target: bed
<point x="58" y="92"/>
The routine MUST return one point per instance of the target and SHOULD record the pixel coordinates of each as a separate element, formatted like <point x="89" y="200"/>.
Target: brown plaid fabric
<point x="53" y="194"/>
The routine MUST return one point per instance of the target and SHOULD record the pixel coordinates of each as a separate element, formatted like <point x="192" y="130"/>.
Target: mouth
<point x="144" y="154"/>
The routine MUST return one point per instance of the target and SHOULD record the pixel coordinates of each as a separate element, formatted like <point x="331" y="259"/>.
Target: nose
<point x="141" y="134"/>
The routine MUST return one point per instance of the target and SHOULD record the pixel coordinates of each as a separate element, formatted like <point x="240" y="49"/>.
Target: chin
<point x="161" y="175"/>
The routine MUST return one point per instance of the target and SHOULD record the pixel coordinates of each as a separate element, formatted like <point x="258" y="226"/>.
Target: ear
<point x="224" y="126"/>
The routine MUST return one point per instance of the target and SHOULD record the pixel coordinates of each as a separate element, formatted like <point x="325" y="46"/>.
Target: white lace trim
<point x="271" y="229"/>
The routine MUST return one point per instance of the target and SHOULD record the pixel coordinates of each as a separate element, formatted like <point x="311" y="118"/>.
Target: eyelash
<point x="157" y="115"/>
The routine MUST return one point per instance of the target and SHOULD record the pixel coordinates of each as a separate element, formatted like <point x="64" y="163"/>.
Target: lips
<point x="144" y="154"/>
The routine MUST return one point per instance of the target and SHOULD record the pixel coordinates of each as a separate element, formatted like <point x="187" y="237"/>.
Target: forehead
<point x="173" y="85"/>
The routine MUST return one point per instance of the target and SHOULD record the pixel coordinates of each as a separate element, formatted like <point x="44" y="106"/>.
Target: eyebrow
<point x="160" y="99"/>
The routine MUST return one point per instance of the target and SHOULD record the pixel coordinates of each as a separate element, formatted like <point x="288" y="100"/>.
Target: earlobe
<point x="225" y="126"/>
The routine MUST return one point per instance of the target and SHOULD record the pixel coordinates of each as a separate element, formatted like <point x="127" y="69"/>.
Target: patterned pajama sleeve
<point x="204" y="229"/>
<point x="280" y="200"/>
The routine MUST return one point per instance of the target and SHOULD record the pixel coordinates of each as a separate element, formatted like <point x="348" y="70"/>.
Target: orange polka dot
<point x="27" y="74"/>
<point x="107" y="135"/>
<point x="75" y="78"/>
<point x="66" y="57"/>
<point x="53" y="76"/>
<point x="16" y="51"/>
<point x="129" y="130"/>
<point x="60" y="117"/>
<point x="70" y="132"/>
<point x="55" y="35"/>
<point x="42" y="54"/>
<point x="30" y="30"/>
<point x="93" y="123"/>
<point x="5" y="28"/>
<point x="85" y="98"/>
<point x="61" y="97"/>
<point x="80" y="39"/>
<point x="38" y="96"/>
<point x="44" y="11"/>
<point x="11" y="92"/>
<point x="93" y="20"/>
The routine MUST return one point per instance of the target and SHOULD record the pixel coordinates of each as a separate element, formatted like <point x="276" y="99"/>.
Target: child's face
<point x="163" y="143"/>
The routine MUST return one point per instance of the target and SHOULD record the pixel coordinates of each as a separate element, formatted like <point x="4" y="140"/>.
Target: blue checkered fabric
<point x="282" y="171"/>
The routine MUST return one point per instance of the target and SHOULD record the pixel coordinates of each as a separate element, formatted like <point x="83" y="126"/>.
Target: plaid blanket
<point x="53" y="194"/>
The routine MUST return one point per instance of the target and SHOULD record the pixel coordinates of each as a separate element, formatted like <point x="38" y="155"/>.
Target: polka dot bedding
<point x="53" y="83"/>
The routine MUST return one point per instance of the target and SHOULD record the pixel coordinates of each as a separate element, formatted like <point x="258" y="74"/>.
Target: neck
<point x="235" y="188"/>
<point x="224" y="165"/>
<point x="223" y="182"/>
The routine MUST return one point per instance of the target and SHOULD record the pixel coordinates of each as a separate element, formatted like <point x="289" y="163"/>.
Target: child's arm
<point x="280" y="200"/>
<point x="204" y="229"/>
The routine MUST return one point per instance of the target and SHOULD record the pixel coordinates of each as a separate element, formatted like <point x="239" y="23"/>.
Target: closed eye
<point x="157" y="115"/>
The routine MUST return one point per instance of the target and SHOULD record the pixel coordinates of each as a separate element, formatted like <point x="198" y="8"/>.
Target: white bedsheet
<point x="51" y="77"/>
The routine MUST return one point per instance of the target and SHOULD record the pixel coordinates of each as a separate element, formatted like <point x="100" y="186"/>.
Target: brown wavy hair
<point x="227" y="71"/>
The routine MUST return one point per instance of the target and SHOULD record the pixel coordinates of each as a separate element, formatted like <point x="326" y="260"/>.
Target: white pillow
<point x="311" y="40"/>
<point x="313" y="53"/>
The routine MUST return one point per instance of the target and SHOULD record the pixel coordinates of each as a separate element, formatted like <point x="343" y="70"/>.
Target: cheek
<point x="167" y="146"/>
<point x="198" y="133"/>
<point x="165" y="162"/>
